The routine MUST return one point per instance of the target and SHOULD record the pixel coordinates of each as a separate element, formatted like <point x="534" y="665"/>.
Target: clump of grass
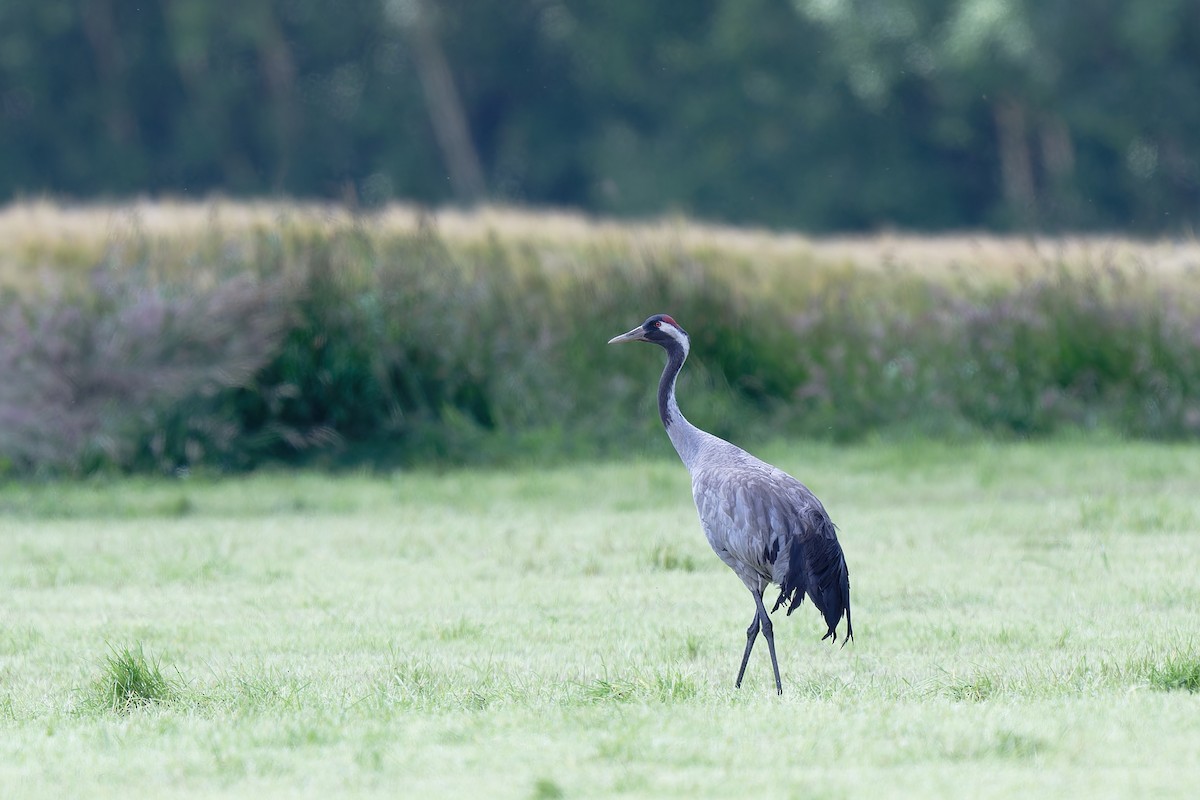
<point x="672" y="686"/>
<point x="667" y="557"/>
<point x="130" y="679"/>
<point x="665" y="686"/>
<point x="974" y="689"/>
<point x="460" y="629"/>
<point x="547" y="789"/>
<point x="1010" y="744"/>
<point x="1177" y="672"/>
<point x="416" y="684"/>
<point x="604" y="690"/>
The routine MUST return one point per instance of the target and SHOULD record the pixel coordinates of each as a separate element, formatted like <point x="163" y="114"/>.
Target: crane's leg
<point x="751" y="635"/>
<point x="761" y="621"/>
<point x="769" y="633"/>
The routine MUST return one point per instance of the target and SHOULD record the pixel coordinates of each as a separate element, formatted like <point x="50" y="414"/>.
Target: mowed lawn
<point x="1026" y="620"/>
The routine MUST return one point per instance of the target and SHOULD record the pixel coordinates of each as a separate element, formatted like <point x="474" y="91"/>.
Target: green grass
<point x="128" y="679"/>
<point x="1025" y="618"/>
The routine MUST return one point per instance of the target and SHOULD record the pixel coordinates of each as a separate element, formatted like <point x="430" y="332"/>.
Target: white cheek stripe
<point x="677" y="335"/>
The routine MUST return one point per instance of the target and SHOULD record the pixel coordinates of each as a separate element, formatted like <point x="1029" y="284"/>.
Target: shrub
<point x="127" y="371"/>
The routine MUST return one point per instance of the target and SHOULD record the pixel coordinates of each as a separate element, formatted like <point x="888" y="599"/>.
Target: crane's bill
<point x="635" y="335"/>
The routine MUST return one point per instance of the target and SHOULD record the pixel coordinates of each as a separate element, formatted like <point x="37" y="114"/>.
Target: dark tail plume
<point x="835" y="603"/>
<point x="817" y="567"/>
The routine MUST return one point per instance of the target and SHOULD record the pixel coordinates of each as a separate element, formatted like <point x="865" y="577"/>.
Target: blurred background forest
<point x="819" y="115"/>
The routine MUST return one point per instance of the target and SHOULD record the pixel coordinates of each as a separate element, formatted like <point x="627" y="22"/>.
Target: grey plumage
<point x="763" y="523"/>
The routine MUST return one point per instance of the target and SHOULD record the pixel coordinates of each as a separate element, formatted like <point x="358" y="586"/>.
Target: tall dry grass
<point x="161" y="336"/>
<point x="37" y="235"/>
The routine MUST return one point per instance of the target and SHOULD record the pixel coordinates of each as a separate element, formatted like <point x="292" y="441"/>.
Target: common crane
<point x="763" y="523"/>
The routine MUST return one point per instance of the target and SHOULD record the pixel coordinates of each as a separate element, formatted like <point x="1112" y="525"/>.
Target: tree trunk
<point x="279" y="72"/>
<point x="446" y="112"/>
<point x="1016" y="163"/>
<point x="109" y="57"/>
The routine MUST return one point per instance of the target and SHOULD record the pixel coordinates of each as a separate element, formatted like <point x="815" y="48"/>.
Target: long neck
<point x="684" y="435"/>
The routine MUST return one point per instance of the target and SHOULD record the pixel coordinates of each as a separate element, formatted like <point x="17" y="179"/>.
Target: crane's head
<point x="659" y="329"/>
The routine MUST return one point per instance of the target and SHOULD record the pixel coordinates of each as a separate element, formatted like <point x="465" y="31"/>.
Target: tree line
<point x="821" y="115"/>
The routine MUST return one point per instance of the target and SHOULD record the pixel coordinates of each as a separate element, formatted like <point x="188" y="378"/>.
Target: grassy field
<point x="1025" y="619"/>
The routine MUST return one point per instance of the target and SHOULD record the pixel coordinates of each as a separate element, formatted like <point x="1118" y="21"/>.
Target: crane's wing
<point x="765" y="524"/>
